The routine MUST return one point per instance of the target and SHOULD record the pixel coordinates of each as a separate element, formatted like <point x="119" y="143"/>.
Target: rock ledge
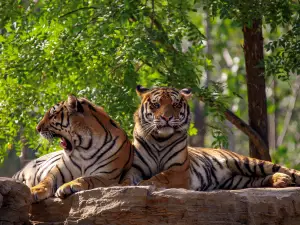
<point x="144" y="205"/>
<point x="15" y="200"/>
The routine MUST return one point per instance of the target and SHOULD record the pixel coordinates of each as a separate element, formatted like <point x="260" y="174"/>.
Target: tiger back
<point x="163" y="158"/>
<point x="96" y="151"/>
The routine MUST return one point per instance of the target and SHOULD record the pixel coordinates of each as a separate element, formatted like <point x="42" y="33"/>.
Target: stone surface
<point x="144" y="205"/>
<point x="15" y="200"/>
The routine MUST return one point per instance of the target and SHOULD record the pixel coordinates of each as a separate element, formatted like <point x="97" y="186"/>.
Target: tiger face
<point x="163" y="111"/>
<point x="71" y="121"/>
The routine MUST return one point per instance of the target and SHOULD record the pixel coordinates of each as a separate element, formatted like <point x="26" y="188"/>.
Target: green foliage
<point x="102" y="49"/>
<point x="286" y="52"/>
<point x="275" y="12"/>
<point x="192" y="130"/>
<point x="97" y="49"/>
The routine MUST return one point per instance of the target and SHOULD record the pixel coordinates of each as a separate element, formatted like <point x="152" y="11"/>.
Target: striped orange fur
<point x="163" y="158"/>
<point x="97" y="152"/>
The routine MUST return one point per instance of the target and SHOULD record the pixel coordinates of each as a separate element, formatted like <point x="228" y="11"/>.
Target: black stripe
<point x="179" y="164"/>
<point x="80" y="139"/>
<point x="107" y="158"/>
<point x="117" y="176"/>
<point x="72" y="177"/>
<point x="222" y="186"/>
<point x="101" y="166"/>
<point x="99" y="156"/>
<point x="91" y="180"/>
<point x="49" y="162"/>
<point x="55" y="127"/>
<point x="125" y="169"/>
<point x="92" y="108"/>
<point x="145" y="145"/>
<point x="89" y="144"/>
<point x="210" y="165"/>
<point x="237" y="184"/>
<point x="261" y="167"/>
<point x="262" y="181"/>
<point x="107" y="139"/>
<point x="113" y="123"/>
<point x="247" y="165"/>
<point x="254" y="168"/>
<point x="171" y="157"/>
<point x="199" y="175"/>
<point x="236" y="162"/>
<point x="62" y="118"/>
<point x="78" y="167"/>
<point x="187" y="114"/>
<point x="108" y="172"/>
<point x="226" y="160"/>
<point x="214" y="159"/>
<point x="173" y="144"/>
<point x="120" y="148"/>
<point x="144" y="161"/>
<point x="35" y="175"/>
<point x="61" y="174"/>
<point x="247" y="183"/>
<point x="144" y="176"/>
<point x="276" y="168"/>
<point x="294" y="178"/>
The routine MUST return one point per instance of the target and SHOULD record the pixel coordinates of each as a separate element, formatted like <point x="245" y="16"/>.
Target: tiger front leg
<point x="132" y="177"/>
<point x="44" y="189"/>
<point x="169" y="179"/>
<point x="276" y="180"/>
<point x="82" y="183"/>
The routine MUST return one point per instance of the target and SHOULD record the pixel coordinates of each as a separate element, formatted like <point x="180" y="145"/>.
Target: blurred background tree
<point x="102" y="49"/>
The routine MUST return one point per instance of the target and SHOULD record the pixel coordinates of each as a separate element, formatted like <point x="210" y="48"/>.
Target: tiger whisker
<point x="149" y="132"/>
<point x="149" y="129"/>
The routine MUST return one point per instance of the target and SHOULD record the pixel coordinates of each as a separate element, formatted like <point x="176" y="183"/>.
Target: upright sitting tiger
<point x="96" y="151"/>
<point x="162" y="157"/>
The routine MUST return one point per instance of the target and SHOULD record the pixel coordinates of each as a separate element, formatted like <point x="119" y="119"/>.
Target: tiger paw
<point x="152" y="183"/>
<point x="145" y="183"/>
<point x="281" y="180"/>
<point x="69" y="188"/>
<point x="40" y="192"/>
<point x="126" y="182"/>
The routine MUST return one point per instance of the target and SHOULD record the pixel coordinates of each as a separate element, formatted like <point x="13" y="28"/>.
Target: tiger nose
<point x="166" y="118"/>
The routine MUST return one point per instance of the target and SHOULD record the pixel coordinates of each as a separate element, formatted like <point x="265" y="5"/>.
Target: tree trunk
<point x="257" y="102"/>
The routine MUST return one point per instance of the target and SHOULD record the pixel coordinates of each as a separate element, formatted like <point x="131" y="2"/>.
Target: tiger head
<point x="163" y="111"/>
<point x="75" y="122"/>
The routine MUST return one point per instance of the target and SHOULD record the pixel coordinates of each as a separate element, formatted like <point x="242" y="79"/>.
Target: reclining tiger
<point x="163" y="159"/>
<point x="96" y="151"/>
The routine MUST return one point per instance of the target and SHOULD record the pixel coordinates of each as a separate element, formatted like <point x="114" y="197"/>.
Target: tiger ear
<point x="74" y="105"/>
<point x="140" y="90"/>
<point x="187" y="93"/>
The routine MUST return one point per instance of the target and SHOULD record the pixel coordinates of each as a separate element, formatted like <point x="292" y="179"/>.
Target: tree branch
<point x="76" y="10"/>
<point x="289" y="112"/>
<point x="245" y="128"/>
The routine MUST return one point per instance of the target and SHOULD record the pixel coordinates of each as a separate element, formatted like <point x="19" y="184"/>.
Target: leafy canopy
<point x="97" y="49"/>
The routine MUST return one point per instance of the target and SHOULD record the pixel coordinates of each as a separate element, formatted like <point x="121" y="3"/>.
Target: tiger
<point x="96" y="151"/>
<point x="163" y="158"/>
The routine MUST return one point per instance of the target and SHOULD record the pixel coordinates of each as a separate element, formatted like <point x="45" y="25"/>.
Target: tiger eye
<point x="177" y="105"/>
<point x="154" y="105"/>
